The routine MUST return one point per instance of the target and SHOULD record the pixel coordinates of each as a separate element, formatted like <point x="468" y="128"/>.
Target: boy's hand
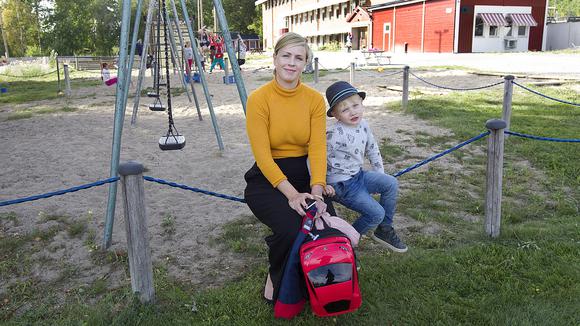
<point x="329" y="191"/>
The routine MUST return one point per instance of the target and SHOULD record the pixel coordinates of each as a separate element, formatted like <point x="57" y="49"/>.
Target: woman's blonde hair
<point x="292" y="38"/>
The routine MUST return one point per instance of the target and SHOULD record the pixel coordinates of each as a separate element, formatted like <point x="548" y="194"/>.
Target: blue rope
<point x="455" y="89"/>
<point x="434" y="157"/>
<point x="58" y="193"/>
<point x="546" y="96"/>
<point x="559" y="140"/>
<point x="176" y="185"/>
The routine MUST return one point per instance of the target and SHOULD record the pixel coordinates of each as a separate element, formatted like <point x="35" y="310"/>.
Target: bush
<point x="332" y="46"/>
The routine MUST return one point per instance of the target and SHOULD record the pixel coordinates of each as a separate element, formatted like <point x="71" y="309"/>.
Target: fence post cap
<point x="495" y="124"/>
<point x="508" y="77"/>
<point x="406" y="67"/>
<point x="130" y="168"/>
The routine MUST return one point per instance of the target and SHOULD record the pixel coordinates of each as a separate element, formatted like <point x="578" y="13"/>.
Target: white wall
<point x="486" y="43"/>
<point x="562" y="35"/>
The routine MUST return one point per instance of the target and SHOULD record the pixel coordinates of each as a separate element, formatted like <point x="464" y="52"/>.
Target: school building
<point x="411" y="25"/>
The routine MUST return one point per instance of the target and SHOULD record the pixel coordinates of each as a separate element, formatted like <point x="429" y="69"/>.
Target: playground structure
<point x="125" y="66"/>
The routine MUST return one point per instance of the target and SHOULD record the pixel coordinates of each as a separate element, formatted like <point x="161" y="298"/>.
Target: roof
<point x="392" y="3"/>
<point x="360" y="12"/>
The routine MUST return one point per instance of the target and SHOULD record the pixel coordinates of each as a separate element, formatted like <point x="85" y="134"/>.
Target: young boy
<point x="349" y="140"/>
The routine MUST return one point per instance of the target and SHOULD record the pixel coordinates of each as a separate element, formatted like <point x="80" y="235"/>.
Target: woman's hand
<point x="320" y="205"/>
<point x="298" y="202"/>
<point x="316" y="192"/>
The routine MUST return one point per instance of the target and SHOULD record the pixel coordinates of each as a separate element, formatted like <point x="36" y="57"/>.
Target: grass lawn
<point x="21" y="90"/>
<point x="529" y="275"/>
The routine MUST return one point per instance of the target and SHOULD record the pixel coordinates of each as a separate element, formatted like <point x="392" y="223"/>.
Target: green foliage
<point x="566" y="8"/>
<point x="21" y="24"/>
<point x="241" y="16"/>
<point x="331" y="46"/>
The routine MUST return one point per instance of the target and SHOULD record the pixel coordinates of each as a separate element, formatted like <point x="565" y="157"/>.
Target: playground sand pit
<point x="59" y="150"/>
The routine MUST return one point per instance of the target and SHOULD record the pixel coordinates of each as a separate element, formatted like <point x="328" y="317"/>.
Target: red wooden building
<point x="458" y="25"/>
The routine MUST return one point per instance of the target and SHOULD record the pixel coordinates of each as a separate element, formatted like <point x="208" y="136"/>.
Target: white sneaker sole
<point x="388" y="245"/>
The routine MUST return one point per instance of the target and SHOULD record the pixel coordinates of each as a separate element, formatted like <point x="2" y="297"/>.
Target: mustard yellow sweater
<point x="287" y="123"/>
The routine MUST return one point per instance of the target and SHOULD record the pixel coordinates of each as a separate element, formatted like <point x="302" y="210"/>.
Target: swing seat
<point x="152" y="94"/>
<point x="171" y="142"/>
<point x="156" y="107"/>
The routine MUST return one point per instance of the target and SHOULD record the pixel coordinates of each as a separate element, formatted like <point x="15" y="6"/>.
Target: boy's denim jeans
<point x="355" y="194"/>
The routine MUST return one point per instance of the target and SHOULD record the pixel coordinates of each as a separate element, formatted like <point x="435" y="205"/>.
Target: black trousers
<point x="271" y="207"/>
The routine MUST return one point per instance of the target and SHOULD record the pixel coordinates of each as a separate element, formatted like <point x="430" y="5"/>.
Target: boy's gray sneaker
<point x="389" y="238"/>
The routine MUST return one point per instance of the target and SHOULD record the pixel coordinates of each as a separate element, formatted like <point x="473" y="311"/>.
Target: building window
<point x="478" y="26"/>
<point x="522" y="30"/>
<point x="344" y="9"/>
<point x="493" y="31"/>
<point x="311" y="15"/>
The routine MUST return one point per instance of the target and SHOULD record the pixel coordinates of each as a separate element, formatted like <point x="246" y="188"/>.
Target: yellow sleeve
<point x="317" y="144"/>
<point x="257" y="126"/>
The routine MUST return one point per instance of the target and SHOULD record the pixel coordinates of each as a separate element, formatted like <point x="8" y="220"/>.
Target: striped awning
<point x="493" y="19"/>
<point x="523" y="20"/>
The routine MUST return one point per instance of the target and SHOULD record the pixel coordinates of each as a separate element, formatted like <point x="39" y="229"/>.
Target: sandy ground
<point x="61" y="150"/>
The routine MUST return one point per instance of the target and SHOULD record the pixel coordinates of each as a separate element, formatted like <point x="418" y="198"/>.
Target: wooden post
<point x="316" y="70"/>
<point x="405" y="100"/>
<point x="493" y="190"/>
<point x="140" y="266"/>
<point x="58" y="74"/>
<point x="67" y="90"/>
<point x="508" y="90"/>
<point x="352" y="73"/>
<point x="226" y="73"/>
<point x="76" y="63"/>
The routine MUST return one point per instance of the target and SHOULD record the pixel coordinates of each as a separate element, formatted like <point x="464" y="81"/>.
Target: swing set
<point x="172" y="140"/>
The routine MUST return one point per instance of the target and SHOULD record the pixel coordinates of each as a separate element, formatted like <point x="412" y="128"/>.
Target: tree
<point x="20" y="26"/>
<point x="566" y="8"/>
<point x="241" y="15"/>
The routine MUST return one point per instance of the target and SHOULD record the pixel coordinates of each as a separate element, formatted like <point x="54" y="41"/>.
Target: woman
<point x="286" y="126"/>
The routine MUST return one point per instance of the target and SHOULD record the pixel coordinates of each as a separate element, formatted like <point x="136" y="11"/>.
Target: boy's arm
<point x="373" y="153"/>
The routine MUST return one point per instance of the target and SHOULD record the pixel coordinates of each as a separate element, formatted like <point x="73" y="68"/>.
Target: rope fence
<point x="241" y="200"/>
<point x="559" y="140"/>
<point x="58" y="192"/>
<point x="544" y="95"/>
<point x="185" y="187"/>
<point x="455" y="88"/>
<point x="434" y="157"/>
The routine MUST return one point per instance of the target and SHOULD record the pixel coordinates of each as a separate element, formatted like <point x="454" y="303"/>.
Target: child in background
<point x="348" y="141"/>
<point x="241" y="51"/>
<point x="106" y="75"/>
<point x="188" y="55"/>
<point x="219" y="54"/>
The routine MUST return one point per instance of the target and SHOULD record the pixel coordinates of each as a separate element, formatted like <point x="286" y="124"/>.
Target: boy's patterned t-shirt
<point x="346" y="148"/>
